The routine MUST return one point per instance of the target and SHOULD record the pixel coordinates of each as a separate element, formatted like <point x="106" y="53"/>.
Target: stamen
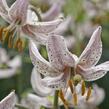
<point x="70" y="83"/>
<point x="6" y="35"/>
<point x="75" y="98"/>
<point x="10" y="42"/>
<point x="88" y="93"/>
<point x="61" y="95"/>
<point x="83" y="88"/>
<point x="1" y="33"/>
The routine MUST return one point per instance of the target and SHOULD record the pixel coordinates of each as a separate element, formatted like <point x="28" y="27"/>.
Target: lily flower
<point x="8" y="67"/>
<point x="8" y="102"/>
<point x="16" y="16"/>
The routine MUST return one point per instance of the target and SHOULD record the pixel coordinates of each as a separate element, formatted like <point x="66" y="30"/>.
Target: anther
<point x="61" y="95"/>
<point x="70" y="83"/>
<point x="75" y="98"/>
<point x="6" y="35"/>
<point x="83" y="88"/>
<point x="88" y="93"/>
<point x="1" y="33"/>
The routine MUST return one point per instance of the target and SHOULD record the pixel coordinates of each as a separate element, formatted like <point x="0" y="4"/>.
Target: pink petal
<point x="95" y="72"/>
<point x="8" y="102"/>
<point x="38" y="87"/>
<point x="42" y="66"/>
<point x="53" y="12"/>
<point x="92" y="53"/>
<point x="18" y="11"/>
<point x="37" y="37"/>
<point x="58" y="53"/>
<point x="44" y="27"/>
<point x="59" y="82"/>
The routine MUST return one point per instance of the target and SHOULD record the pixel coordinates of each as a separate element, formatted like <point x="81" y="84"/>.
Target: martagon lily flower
<point x="57" y="73"/>
<point x="8" y="102"/>
<point x="17" y="17"/>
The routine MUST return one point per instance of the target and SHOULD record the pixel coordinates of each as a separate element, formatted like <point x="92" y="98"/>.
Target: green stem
<point x="56" y="99"/>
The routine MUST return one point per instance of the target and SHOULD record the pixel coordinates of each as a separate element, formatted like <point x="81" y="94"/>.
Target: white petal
<point x="42" y="101"/>
<point x="8" y="102"/>
<point x="3" y="56"/>
<point x="15" y="62"/>
<point x="31" y="17"/>
<point x="96" y="72"/>
<point x="44" y="27"/>
<point x="18" y="10"/>
<point x="37" y="37"/>
<point x="58" y="53"/>
<point x="63" y="27"/>
<point x="42" y="66"/>
<point x="56" y="83"/>
<point x="37" y="85"/>
<point x="52" y="13"/>
<point x="7" y="73"/>
<point x="4" y="10"/>
<point x="93" y="50"/>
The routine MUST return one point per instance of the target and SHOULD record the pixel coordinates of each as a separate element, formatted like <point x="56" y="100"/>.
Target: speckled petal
<point x="59" y="82"/>
<point x="38" y="87"/>
<point x="8" y="102"/>
<point x="96" y="72"/>
<point x="18" y="11"/>
<point x="93" y="50"/>
<point x="44" y="27"/>
<point x="58" y="53"/>
<point x="42" y="66"/>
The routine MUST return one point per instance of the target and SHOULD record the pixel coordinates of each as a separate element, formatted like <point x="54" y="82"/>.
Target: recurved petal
<point x="37" y="100"/>
<point x="44" y="27"/>
<point x="92" y="53"/>
<point x="3" y="7"/>
<point x="4" y="10"/>
<point x="38" y="87"/>
<point x="36" y="37"/>
<point x="59" y="82"/>
<point x="7" y="73"/>
<point x="8" y="102"/>
<point x="52" y="13"/>
<point x="15" y="62"/>
<point x="95" y="72"/>
<point x="63" y="27"/>
<point x="58" y="53"/>
<point x="42" y="66"/>
<point x="18" y="11"/>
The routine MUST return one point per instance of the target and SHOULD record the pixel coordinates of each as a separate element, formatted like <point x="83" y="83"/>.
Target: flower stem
<point x="56" y="99"/>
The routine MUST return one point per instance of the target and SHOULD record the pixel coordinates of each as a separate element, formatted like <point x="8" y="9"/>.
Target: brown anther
<point x="61" y="95"/>
<point x="1" y="33"/>
<point x="83" y="88"/>
<point x="88" y="93"/>
<point x="10" y="42"/>
<point x="70" y="83"/>
<point x="6" y="36"/>
<point x="75" y="98"/>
